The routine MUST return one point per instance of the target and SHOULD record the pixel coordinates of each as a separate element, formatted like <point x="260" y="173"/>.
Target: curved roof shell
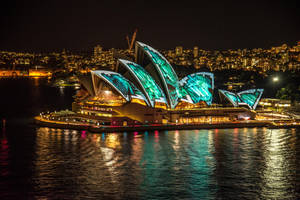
<point x="199" y="86"/>
<point x="231" y="97"/>
<point x="150" y="88"/>
<point x="248" y="97"/>
<point x="123" y="86"/>
<point x="165" y="72"/>
<point x="251" y="97"/>
<point x="87" y="83"/>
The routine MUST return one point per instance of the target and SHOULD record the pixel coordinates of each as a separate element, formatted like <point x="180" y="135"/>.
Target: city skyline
<point x="50" y="26"/>
<point x="136" y="99"/>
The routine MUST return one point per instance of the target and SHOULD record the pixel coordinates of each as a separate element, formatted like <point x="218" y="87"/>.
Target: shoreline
<point x="110" y="129"/>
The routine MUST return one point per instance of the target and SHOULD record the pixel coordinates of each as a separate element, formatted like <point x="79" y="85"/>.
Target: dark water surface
<point x="45" y="163"/>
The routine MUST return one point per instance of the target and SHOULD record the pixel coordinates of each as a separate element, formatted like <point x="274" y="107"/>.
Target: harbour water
<point x="46" y="163"/>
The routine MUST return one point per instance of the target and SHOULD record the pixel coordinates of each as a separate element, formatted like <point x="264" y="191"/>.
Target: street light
<point x="275" y="79"/>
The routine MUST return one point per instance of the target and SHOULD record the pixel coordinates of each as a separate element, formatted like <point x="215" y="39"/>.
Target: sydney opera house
<point x="149" y="91"/>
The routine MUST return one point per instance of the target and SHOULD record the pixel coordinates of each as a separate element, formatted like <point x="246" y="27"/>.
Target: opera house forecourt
<point x="149" y="93"/>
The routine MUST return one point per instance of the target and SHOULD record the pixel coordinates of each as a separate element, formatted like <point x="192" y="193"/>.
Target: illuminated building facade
<point x="149" y="91"/>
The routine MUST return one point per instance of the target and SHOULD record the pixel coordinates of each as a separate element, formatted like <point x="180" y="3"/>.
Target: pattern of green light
<point x="122" y="84"/>
<point x="233" y="97"/>
<point x="153" y="90"/>
<point x="168" y="74"/>
<point x="250" y="98"/>
<point x="183" y="93"/>
<point x="199" y="87"/>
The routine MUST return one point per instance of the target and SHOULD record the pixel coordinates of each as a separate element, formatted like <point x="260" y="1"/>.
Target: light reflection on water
<point x="279" y="159"/>
<point x="197" y="164"/>
<point x="46" y="163"/>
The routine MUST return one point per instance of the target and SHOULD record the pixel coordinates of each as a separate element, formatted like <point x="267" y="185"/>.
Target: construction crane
<point x="130" y="43"/>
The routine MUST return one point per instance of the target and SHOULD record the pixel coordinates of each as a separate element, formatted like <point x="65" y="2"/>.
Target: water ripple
<point x="198" y="164"/>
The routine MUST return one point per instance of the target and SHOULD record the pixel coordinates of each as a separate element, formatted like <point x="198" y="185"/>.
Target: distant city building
<point x="196" y="52"/>
<point x="178" y="51"/>
<point x="281" y="58"/>
<point x="97" y="51"/>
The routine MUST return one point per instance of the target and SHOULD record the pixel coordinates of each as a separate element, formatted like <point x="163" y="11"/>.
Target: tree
<point x="284" y="94"/>
<point x="290" y="92"/>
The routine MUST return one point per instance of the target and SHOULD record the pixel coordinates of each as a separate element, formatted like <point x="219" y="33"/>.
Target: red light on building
<point x="83" y="135"/>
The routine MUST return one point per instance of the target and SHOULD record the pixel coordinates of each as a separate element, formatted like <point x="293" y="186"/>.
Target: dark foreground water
<point x="45" y="163"/>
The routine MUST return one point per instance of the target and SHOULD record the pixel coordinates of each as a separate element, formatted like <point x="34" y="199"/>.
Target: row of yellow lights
<point x="277" y="104"/>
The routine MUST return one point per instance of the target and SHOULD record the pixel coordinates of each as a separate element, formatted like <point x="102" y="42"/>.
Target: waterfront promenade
<point x="159" y="127"/>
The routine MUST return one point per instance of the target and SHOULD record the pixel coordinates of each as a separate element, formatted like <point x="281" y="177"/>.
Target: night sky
<point x="44" y="26"/>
